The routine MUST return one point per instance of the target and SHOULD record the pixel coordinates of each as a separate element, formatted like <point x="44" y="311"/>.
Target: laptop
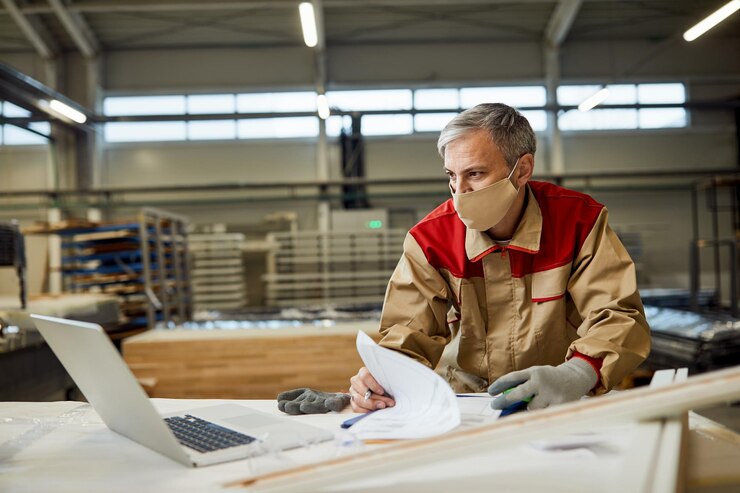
<point x="197" y="437"/>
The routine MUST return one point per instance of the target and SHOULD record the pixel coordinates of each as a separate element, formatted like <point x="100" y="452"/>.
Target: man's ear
<point x="525" y="170"/>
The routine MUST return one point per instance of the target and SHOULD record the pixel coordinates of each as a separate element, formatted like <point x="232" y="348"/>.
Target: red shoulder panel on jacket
<point x="567" y="219"/>
<point x="441" y="236"/>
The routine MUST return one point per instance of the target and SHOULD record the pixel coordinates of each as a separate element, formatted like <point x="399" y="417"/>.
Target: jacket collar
<point x="526" y="236"/>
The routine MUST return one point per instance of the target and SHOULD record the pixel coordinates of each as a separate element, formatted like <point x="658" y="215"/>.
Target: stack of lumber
<point x="246" y="364"/>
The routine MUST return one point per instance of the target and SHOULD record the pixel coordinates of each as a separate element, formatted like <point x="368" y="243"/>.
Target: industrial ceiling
<point x="168" y="24"/>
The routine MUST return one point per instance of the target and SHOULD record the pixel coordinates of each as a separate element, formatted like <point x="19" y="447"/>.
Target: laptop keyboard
<point x="203" y="435"/>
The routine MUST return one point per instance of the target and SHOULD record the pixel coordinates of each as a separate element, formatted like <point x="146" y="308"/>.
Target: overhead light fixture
<point x="323" y="106"/>
<point x="712" y="20"/>
<point x="594" y="100"/>
<point x="66" y="110"/>
<point x="308" y="24"/>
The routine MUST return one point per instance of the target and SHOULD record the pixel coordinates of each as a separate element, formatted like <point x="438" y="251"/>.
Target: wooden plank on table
<point x="628" y="406"/>
<point x="670" y="464"/>
<point x="644" y="450"/>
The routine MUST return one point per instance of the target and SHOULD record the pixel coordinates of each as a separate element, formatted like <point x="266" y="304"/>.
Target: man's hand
<point x="359" y="385"/>
<point x="310" y="401"/>
<point x="547" y="385"/>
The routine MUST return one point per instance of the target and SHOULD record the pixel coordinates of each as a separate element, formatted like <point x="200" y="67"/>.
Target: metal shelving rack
<point x="730" y="244"/>
<point x="142" y="262"/>
<point x="164" y="241"/>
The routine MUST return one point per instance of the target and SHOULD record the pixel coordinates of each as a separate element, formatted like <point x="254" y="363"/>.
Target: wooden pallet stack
<point x="247" y="363"/>
<point x="217" y="271"/>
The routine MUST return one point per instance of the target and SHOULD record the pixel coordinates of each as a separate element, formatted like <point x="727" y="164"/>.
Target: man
<point x="512" y="283"/>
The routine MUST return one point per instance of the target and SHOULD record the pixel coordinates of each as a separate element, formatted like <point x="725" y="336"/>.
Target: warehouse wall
<point x="710" y="67"/>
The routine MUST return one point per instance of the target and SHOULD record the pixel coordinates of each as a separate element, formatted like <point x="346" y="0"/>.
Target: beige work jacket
<point x="474" y="310"/>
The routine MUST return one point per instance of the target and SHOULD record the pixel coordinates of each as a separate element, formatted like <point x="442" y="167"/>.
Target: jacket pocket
<point x="549" y="314"/>
<point x="473" y="323"/>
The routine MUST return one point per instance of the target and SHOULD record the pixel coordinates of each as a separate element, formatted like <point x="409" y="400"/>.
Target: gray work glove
<point x="310" y="401"/>
<point x="546" y="385"/>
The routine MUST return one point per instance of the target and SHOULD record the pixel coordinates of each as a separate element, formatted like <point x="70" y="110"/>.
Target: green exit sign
<point x="375" y="224"/>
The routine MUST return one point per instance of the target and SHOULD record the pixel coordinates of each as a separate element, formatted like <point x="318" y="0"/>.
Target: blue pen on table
<point x="346" y="424"/>
<point x="515" y="407"/>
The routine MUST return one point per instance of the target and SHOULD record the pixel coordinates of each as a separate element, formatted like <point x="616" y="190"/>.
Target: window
<point x="212" y="130"/>
<point x="437" y="99"/>
<point x="598" y="120"/>
<point x="661" y="93"/>
<point x="270" y="128"/>
<point x="662" y="118"/>
<point x="445" y="102"/>
<point x="12" y="111"/>
<point x="335" y="124"/>
<point x="513" y="96"/>
<point x="387" y="125"/>
<point x="378" y="100"/>
<point x="432" y="122"/>
<point x="144" y="105"/>
<point x="18" y="136"/>
<point x="276" y="102"/>
<point x="601" y="119"/>
<point x="203" y="104"/>
<point x="665" y="94"/>
<point x="144" y="131"/>
<point x="537" y="119"/>
<point x="12" y="135"/>
<point x="41" y="127"/>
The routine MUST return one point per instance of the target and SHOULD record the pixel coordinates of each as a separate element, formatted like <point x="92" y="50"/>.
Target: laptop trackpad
<point x="250" y="421"/>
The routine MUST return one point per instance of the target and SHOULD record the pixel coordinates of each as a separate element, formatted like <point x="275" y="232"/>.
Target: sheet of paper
<point x="478" y="405"/>
<point x="425" y="403"/>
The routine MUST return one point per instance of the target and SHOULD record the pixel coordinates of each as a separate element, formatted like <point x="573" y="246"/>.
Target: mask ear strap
<point x="512" y="169"/>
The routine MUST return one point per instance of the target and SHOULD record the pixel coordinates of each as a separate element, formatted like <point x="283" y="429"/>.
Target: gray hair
<point x="509" y="130"/>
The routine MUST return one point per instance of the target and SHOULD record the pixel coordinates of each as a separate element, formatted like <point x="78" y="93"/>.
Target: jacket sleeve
<point x="603" y="287"/>
<point x="414" y="318"/>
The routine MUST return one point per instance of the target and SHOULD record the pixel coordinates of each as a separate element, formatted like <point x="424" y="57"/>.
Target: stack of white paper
<point x="425" y="403"/>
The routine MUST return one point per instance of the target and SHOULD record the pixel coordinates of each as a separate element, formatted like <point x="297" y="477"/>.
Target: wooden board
<point x="626" y="407"/>
<point x="246" y="363"/>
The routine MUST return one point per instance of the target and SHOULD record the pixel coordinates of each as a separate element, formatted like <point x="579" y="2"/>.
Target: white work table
<point x="65" y="447"/>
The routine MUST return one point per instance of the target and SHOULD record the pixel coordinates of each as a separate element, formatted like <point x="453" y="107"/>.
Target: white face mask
<point x="483" y="209"/>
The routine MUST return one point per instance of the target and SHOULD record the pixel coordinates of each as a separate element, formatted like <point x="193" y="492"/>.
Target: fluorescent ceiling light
<point x="323" y="106"/>
<point x="68" y="111"/>
<point x="308" y="24"/>
<point x="712" y="20"/>
<point x="596" y="99"/>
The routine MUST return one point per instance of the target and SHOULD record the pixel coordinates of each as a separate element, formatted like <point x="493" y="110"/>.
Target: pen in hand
<point x="368" y="394"/>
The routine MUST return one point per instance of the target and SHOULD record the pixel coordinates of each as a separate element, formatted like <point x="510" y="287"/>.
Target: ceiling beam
<point x="97" y="6"/>
<point x="561" y="20"/>
<point x="32" y="28"/>
<point x="34" y="96"/>
<point x="77" y="28"/>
